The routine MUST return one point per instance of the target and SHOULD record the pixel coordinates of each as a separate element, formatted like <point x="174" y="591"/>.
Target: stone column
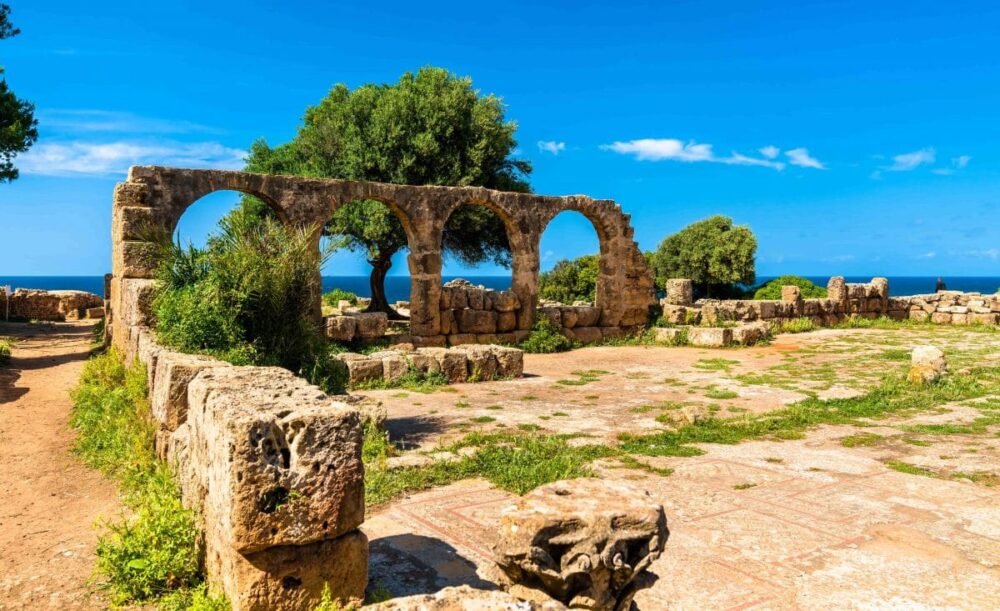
<point x="836" y="291"/>
<point x="680" y="291"/>
<point x="524" y="275"/>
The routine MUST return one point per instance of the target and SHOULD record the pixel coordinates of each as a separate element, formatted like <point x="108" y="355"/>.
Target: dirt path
<point x="50" y="500"/>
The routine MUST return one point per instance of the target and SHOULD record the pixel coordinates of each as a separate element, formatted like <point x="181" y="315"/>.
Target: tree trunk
<point x="379" y="303"/>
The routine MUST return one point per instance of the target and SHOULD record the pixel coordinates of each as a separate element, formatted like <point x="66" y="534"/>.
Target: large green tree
<point x="430" y="128"/>
<point x="571" y="280"/>
<point x="713" y="253"/>
<point x="18" y="127"/>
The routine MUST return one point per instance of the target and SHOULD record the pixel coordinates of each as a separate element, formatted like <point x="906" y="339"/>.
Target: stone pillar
<point x="882" y="292"/>
<point x="793" y="295"/>
<point x="524" y="276"/>
<point x="836" y="291"/>
<point x="680" y="291"/>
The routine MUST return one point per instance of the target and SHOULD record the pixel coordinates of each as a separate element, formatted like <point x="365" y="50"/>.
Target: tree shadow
<point x="411" y="430"/>
<point x="409" y="564"/>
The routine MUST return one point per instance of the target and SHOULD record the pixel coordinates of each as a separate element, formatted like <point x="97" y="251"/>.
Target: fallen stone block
<point x="510" y="361"/>
<point x="927" y="364"/>
<point x="680" y="291"/>
<point x="290" y="577"/>
<point x="394" y="364"/>
<point x="667" y="335"/>
<point x="588" y="335"/>
<point x="751" y="333"/>
<point x="710" y="337"/>
<point x="452" y="363"/>
<point x="281" y="460"/>
<point x="584" y="543"/>
<point x="482" y="362"/>
<point x="341" y="328"/>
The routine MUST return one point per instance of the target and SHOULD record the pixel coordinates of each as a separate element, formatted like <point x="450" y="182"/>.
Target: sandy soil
<point x="50" y="500"/>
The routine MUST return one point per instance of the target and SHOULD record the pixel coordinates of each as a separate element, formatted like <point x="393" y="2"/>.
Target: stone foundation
<point x="465" y="363"/>
<point x="31" y="304"/>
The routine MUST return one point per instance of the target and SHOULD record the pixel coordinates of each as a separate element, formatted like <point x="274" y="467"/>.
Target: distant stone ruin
<point x="33" y="304"/>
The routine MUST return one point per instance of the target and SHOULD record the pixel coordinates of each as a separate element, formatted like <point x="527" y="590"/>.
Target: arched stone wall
<point x="156" y="197"/>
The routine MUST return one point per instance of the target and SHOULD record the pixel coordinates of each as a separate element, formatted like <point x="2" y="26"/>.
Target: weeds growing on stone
<point x="796" y="325"/>
<point x="414" y="380"/>
<point x="150" y="555"/>
<point x="861" y="439"/>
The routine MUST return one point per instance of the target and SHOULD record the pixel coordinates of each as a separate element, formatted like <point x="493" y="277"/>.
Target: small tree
<point x="18" y="127"/>
<point x="430" y="128"/>
<point x="772" y="289"/>
<point x="713" y="253"/>
<point x="571" y="280"/>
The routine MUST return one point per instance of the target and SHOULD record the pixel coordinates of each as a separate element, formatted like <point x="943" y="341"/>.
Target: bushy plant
<point x="715" y="254"/>
<point x="334" y="297"/>
<point x="772" y="288"/>
<point x="5" y="348"/>
<point x="545" y="337"/>
<point x="150" y="554"/>
<point x="571" y="280"/>
<point x="247" y="298"/>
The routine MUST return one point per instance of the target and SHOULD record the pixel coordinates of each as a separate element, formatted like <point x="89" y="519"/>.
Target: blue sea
<point x="398" y="287"/>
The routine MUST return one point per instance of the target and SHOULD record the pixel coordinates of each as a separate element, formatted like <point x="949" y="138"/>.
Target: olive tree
<point x="430" y="128"/>
<point x="713" y="253"/>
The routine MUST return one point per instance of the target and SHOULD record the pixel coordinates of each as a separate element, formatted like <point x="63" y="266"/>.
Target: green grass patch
<point x="716" y="364"/>
<point x="483" y="419"/>
<point x="151" y="554"/>
<point x="861" y="440"/>
<point x="6" y="346"/>
<point x="905" y="467"/>
<point x="744" y="486"/>
<point x="894" y="396"/>
<point x="715" y="393"/>
<point x="796" y="325"/>
<point x="413" y="380"/>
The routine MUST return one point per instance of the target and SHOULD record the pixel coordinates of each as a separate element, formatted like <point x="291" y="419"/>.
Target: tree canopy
<point x="571" y="280"/>
<point x="713" y="253"/>
<point x="772" y="288"/>
<point x="430" y="128"/>
<point x="18" y="127"/>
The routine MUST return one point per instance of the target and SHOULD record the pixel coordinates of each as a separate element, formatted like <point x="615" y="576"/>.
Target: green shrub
<point x="334" y="297"/>
<point x="5" y="348"/>
<point x="772" y="289"/>
<point x="545" y="337"/>
<point x="151" y="554"/>
<point x="571" y="280"/>
<point x="247" y="299"/>
<point x="796" y="325"/>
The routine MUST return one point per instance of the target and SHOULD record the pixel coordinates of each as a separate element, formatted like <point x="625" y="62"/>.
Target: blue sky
<point x="853" y="137"/>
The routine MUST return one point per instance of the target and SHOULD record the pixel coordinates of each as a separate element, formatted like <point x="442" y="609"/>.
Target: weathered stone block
<point x="710" y="337"/>
<point x="487" y="338"/>
<point x="666" y="335"/>
<point x="985" y="319"/>
<point x="520" y="335"/>
<point x="612" y="332"/>
<point x="510" y="361"/>
<point x="506" y="301"/>
<point x="371" y="325"/>
<point x="148" y="352"/>
<point x="553" y="314"/>
<point x="463" y="598"/>
<point x="360" y="368"/>
<point x="341" y="328"/>
<point x="506" y="321"/>
<point x="588" y="335"/>
<point x="460" y="339"/>
<point x="569" y="317"/>
<point x="290" y="577"/>
<point x="169" y="396"/>
<point x="751" y="333"/>
<point x="425" y="363"/>
<point x="394" y="365"/>
<point x="482" y="362"/>
<point x="448" y="323"/>
<point x="477" y="321"/>
<point x="452" y="363"/>
<point x="587" y="316"/>
<point x="791" y="293"/>
<point x="506" y="338"/>
<point x="281" y="459"/>
<point x="474" y="297"/>
<point x="680" y="291"/>
<point x="133" y="259"/>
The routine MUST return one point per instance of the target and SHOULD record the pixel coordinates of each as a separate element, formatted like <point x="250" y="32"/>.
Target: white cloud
<point x="551" y="146"/>
<point x="927" y="255"/>
<point x="94" y="121"/>
<point x="671" y="149"/>
<point x="801" y="158"/>
<point x="109" y="158"/>
<point x="911" y="161"/>
<point x="548" y="255"/>
<point x="986" y="253"/>
<point x="943" y="171"/>
<point x="961" y="161"/>
<point x="770" y="151"/>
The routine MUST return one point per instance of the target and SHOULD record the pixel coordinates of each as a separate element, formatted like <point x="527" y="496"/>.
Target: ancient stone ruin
<point x="156" y="197"/>
<point x="32" y="304"/>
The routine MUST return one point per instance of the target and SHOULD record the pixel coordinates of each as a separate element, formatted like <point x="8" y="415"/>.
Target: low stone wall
<point x="582" y="323"/>
<point x="32" y="304"/>
<point x="350" y="326"/>
<point x="844" y="300"/>
<point x="956" y="308"/>
<point x="465" y="363"/>
<point x="475" y="314"/>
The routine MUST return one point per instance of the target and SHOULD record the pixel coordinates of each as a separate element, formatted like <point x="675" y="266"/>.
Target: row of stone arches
<point x="159" y="196"/>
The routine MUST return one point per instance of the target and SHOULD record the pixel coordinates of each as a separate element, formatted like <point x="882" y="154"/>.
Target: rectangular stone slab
<point x="290" y="577"/>
<point x="280" y="459"/>
<point x="174" y="371"/>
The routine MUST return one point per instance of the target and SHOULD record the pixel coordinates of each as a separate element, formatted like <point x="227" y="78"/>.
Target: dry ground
<point x="50" y="500"/>
<point x="809" y="523"/>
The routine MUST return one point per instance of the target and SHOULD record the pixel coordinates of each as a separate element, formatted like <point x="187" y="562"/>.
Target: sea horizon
<point x="398" y="287"/>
